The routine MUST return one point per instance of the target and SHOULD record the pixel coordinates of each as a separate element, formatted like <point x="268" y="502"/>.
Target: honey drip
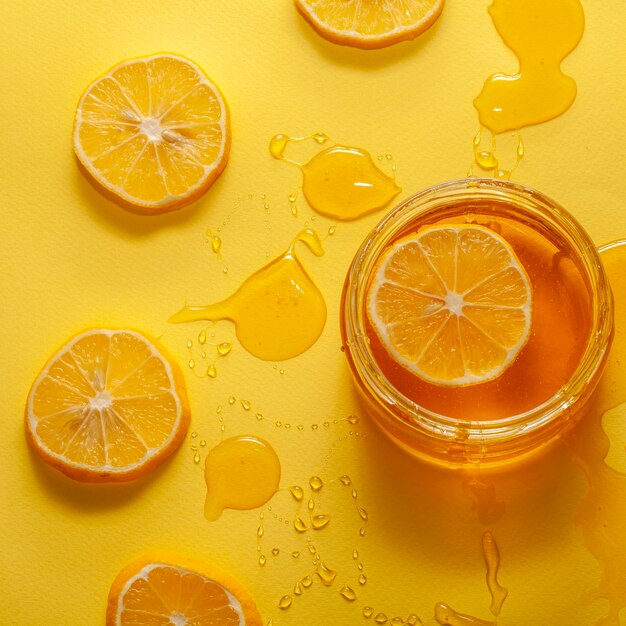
<point x="340" y="182"/>
<point x="241" y="473"/>
<point x="278" y="311"/>
<point x="540" y="34"/>
<point x="602" y="510"/>
<point x="447" y="616"/>
<point x="492" y="561"/>
<point x="484" y="500"/>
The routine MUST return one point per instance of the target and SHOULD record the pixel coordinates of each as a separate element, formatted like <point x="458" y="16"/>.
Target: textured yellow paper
<point x="72" y="259"/>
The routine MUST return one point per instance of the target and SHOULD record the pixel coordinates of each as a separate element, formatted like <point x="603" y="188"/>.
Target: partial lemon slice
<point x="109" y="406"/>
<point x="370" y="23"/>
<point x="452" y="304"/>
<point x="163" y="590"/>
<point x="153" y="131"/>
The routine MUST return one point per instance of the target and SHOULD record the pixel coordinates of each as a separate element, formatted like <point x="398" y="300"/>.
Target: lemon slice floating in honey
<point x="452" y="304"/>
<point x="154" y="132"/>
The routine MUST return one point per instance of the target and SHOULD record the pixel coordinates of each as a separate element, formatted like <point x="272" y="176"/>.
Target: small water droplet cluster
<point x="202" y="364"/>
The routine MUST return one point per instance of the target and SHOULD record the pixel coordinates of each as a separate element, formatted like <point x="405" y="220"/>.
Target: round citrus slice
<point x="163" y="590"/>
<point x="370" y="23"/>
<point x="109" y="406"/>
<point x="154" y="132"/>
<point x="452" y="304"/>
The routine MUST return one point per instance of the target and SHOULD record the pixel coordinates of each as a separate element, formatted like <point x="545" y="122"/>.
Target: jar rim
<point x="507" y="429"/>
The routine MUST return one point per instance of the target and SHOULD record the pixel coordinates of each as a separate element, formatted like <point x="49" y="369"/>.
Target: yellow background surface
<point x="71" y="259"/>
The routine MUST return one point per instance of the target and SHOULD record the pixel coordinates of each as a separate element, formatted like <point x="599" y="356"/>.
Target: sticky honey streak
<point x="540" y="34"/>
<point x="278" y="312"/>
<point x="601" y="513"/>
<point x="492" y="561"/>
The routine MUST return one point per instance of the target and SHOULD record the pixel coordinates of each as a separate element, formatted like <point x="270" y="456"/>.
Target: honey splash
<point x="601" y="512"/>
<point x="540" y="34"/>
<point x="278" y="311"/>
<point x="241" y="473"/>
<point x="341" y="182"/>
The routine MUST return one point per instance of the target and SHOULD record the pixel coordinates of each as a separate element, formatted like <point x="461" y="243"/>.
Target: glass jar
<point x="454" y="440"/>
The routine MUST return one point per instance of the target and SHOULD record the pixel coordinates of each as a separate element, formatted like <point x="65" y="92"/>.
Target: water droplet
<point x="312" y="549"/>
<point x="196" y="458"/>
<point x="300" y="525"/>
<point x="202" y="443"/>
<point x="300" y="427"/>
<point x="224" y="348"/>
<point x="388" y="157"/>
<point x="297" y="492"/>
<point x="194" y="435"/>
<point x="191" y="364"/>
<point x="284" y="602"/>
<point x="320" y="521"/>
<point x="231" y="400"/>
<point x="326" y="424"/>
<point x="348" y="593"/>
<point x="291" y="197"/>
<point x="225" y="270"/>
<point x="355" y="554"/>
<point x="262" y="560"/>
<point x="412" y="620"/>
<point x="202" y="337"/>
<point x="316" y="483"/>
<point x="211" y="371"/>
<point x="320" y="138"/>
<point x="345" y="480"/>
<point x="381" y="618"/>
<point x="354" y="493"/>
<point x="314" y="426"/>
<point x="353" y="419"/>
<point x="259" y="531"/>
<point x="307" y="581"/>
<point x="362" y="532"/>
<point x="380" y="157"/>
<point x="278" y="423"/>
<point x="368" y="611"/>
<point x="362" y="513"/>
<point x="281" y="372"/>
<point x="310" y="504"/>
<point x="295" y="554"/>
<point x="326" y="575"/>
<point x="194" y="448"/>
<point x="360" y="566"/>
<point x="259" y="416"/>
<point x="294" y="210"/>
<point x="297" y="589"/>
<point x="275" y="551"/>
<point x="263" y="196"/>
<point x="246" y="405"/>
<point x="189" y="343"/>
<point x="362" y="579"/>
<point x="398" y="621"/>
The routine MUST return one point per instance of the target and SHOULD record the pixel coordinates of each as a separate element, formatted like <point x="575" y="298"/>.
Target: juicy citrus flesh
<point x="108" y="406"/>
<point x="370" y="23"/>
<point x="164" y="591"/>
<point x="153" y="131"/>
<point x="452" y="304"/>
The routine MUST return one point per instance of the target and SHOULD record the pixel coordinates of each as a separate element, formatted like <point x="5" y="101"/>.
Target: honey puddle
<point x="340" y="182"/>
<point x="541" y="34"/>
<point x="241" y="473"/>
<point x="602" y="511"/>
<point x="278" y="311"/>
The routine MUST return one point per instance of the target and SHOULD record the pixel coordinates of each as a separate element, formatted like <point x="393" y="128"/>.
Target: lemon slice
<point x="452" y="304"/>
<point x="154" y="132"/>
<point x="109" y="406"/>
<point x="167" y="589"/>
<point x="370" y="23"/>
